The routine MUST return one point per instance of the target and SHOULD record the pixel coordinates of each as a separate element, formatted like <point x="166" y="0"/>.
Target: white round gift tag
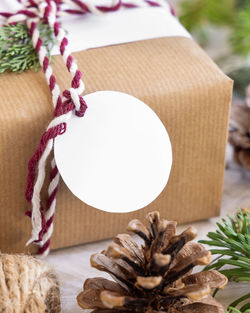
<point x="116" y="158"/>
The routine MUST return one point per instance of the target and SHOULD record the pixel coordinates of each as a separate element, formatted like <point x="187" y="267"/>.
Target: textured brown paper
<point x="176" y="79"/>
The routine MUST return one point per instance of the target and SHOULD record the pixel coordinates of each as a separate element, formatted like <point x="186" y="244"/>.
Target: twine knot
<point x="75" y="101"/>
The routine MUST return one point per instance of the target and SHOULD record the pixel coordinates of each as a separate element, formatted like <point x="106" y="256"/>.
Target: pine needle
<point x="17" y="53"/>
<point x="233" y="241"/>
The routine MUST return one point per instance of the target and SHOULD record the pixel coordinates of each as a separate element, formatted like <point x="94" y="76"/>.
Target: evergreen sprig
<point x="17" y="53"/>
<point x="232" y="239"/>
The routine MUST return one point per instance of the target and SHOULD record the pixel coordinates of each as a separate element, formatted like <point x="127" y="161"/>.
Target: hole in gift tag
<point x="118" y="157"/>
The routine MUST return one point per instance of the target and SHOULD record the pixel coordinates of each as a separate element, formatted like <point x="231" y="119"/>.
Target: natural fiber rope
<point x="27" y="285"/>
<point x="65" y="105"/>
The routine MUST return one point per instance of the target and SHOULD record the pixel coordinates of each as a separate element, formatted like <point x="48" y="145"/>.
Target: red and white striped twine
<point x="65" y="105"/>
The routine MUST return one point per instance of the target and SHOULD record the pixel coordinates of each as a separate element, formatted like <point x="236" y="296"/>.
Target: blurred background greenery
<point x="222" y="28"/>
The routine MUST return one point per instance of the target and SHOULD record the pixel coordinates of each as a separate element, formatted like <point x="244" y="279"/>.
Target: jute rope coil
<point x="27" y="285"/>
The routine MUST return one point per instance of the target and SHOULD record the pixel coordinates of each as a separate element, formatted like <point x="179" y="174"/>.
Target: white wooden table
<point x="72" y="265"/>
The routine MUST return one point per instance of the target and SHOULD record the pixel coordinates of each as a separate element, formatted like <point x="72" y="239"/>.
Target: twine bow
<point x="65" y="104"/>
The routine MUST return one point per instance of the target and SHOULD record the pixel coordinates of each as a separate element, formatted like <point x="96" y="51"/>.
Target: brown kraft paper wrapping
<point x="177" y="80"/>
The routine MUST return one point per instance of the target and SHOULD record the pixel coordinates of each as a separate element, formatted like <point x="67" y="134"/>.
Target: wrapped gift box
<point x="176" y="79"/>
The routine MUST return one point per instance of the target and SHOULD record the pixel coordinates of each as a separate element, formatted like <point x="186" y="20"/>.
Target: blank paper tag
<point x="116" y="158"/>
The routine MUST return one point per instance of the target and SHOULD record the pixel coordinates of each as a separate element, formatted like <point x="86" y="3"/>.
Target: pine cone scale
<point x="128" y="243"/>
<point x="200" y="307"/>
<point x="100" y="283"/>
<point x="213" y="278"/>
<point x="113" y="300"/>
<point x="170" y="279"/>
<point x="91" y="299"/>
<point x="106" y="264"/>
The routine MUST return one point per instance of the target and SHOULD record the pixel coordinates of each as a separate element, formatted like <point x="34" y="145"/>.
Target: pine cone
<point x="239" y="133"/>
<point x="27" y="285"/>
<point x="156" y="277"/>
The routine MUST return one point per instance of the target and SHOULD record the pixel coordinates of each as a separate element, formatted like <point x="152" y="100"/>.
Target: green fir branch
<point x="17" y="53"/>
<point x="232" y="239"/>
